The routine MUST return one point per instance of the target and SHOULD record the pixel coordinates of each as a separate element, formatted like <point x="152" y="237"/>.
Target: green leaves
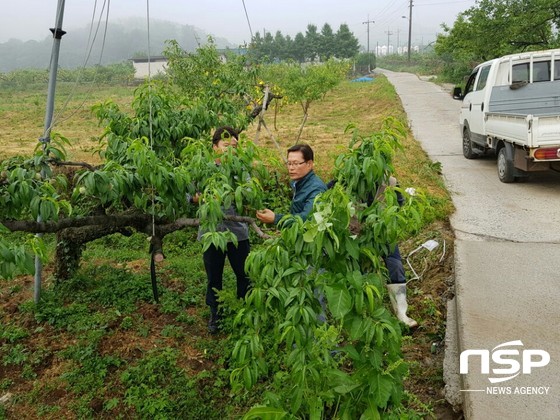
<point x="367" y="163"/>
<point x="217" y="239"/>
<point x="217" y="91"/>
<point x="381" y="388"/>
<point x="14" y="260"/>
<point x="265" y="413"/>
<point x="522" y="25"/>
<point x="318" y="285"/>
<point x="28" y="190"/>
<point x="341" y="382"/>
<point x="308" y="296"/>
<point x="339" y="299"/>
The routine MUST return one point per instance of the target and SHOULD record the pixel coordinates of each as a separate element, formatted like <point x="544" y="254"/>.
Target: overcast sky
<point x="30" y="19"/>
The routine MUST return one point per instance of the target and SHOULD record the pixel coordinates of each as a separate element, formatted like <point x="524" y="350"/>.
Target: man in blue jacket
<point x="305" y="183"/>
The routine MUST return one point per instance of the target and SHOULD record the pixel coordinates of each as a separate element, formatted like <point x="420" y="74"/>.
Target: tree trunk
<point x="70" y="243"/>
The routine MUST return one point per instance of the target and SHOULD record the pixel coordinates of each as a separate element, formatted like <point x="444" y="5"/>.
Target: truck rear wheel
<point x="506" y="170"/>
<point x="468" y="151"/>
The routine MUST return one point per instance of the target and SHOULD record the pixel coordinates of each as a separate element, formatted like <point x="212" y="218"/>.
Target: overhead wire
<point x="87" y="55"/>
<point x="386" y="15"/>
<point x="445" y="2"/>
<point x="389" y="15"/>
<point x="391" y="8"/>
<point x="248" y="20"/>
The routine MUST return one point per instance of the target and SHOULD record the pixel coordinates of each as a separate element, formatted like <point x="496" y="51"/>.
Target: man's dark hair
<point x="305" y="150"/>
<point x="224" y="133"/>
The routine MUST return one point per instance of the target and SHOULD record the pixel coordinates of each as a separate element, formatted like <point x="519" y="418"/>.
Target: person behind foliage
<point x="306" y="186"/>
<point x="393" y="261"/>
<point x="304" y="182"/>
<point x="214" y="258"/>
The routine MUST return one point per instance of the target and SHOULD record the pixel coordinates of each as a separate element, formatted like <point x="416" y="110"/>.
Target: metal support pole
<point x="57" y="36"/>
<point x="409" y="28"/>
<point x="53" y="70"/>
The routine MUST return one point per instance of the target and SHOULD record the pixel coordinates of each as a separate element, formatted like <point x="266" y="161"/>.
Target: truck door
<point x="473" y="108"/>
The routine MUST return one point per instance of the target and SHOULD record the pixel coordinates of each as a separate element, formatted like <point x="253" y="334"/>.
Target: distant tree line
<point x="125" y="40"/>
<point x="311" y="46"/>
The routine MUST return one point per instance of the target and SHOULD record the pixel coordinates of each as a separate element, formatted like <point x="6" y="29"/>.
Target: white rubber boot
<point x="397" y="295"/>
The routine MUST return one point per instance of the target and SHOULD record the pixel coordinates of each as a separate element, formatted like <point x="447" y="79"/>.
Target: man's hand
<point x="266" y="216"/>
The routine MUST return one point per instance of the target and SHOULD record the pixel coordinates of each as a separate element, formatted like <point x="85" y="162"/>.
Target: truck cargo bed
<point x="527" y="115"/>
<point x="525" y="130"/>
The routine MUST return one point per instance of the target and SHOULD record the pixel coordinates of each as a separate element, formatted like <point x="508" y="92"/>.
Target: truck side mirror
<point x="457" y="93"/>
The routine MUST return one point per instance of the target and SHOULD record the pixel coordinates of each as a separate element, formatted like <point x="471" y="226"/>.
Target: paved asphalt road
<point x="507" y="259"/>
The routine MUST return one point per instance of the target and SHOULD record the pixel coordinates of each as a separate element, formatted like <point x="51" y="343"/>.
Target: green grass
<point x="24" y="115"/>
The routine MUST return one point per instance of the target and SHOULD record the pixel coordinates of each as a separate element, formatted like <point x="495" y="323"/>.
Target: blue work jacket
<point x="305" y="191"/>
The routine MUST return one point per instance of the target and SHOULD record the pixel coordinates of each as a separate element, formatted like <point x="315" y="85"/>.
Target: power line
<point x="387" y="14"/>
<point x="248" y="21"/>
<point x="89" y="48"/>
<point x="445" y="2"/>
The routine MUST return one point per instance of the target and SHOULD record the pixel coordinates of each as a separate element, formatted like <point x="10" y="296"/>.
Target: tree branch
<point x="140" y="221"/>
<point x="82" y="164"/>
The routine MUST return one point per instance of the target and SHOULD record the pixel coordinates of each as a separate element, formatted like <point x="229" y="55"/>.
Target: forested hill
<point x="125" y="39"/>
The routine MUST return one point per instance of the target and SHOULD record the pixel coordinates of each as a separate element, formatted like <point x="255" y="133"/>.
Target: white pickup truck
<point x="511" y="105"/>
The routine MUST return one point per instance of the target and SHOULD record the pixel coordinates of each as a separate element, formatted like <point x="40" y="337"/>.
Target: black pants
<point x="394" y="264"/>
<point x="214" y="261"/>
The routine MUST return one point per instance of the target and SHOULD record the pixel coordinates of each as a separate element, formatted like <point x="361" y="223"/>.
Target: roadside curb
<point x="451" y="376"/>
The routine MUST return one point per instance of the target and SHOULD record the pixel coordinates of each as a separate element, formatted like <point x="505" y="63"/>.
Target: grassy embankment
<point x="99" y="347"/>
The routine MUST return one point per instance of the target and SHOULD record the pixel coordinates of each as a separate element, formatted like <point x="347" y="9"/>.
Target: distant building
<point x="144" y="66"/>
<point x="382" y="50"/>
<point x="158" y="64"/>
<point x="224" y="52"/>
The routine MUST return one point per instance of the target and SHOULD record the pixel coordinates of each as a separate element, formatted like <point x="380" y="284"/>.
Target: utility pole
<point x="49" y="112"/>
<point x="367" y="22"/>
<point x="389" y="33"/>
<point x="409" y="29"/>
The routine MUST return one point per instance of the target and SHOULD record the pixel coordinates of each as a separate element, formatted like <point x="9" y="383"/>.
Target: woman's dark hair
<point x="305" y="150"/>
<point x="223" y="133"/>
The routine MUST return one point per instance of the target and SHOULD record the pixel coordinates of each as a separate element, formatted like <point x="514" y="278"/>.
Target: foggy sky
<point x="31" y="19"/>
